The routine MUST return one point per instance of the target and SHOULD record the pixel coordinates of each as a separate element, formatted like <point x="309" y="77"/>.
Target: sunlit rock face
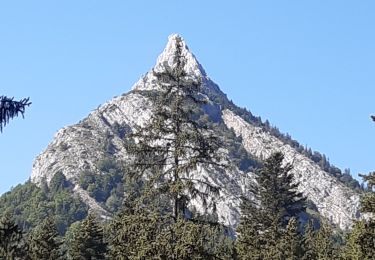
<point x="76" y="149"/>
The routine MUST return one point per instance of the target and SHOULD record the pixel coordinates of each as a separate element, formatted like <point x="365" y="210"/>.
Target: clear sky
<point x="307" y="66"/>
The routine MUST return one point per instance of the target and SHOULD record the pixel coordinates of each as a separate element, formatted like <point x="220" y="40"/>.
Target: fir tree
<point x="12" y="243"/>
<point x="167" y="150"/>
<point x="10" y="109"/>
<point x="308" y="242"/>
<point x="173" y="144"/>
<point x="291" y="241"/>
<point x="44" y="242"/>
<point x="361" y="241"/>
<point x="153" y="236"/>
<point x="264" y="219"/>
<point x="88" y="241"/>
<point x="353" y="247"/>
<point x="323" y="244"/>
<point x="368" y="200"/>
<point x="138" y="235"/>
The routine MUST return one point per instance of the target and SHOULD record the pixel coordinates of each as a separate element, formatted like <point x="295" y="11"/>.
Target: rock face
<point x="334" y="200"/>
<point x="76" y="149"/>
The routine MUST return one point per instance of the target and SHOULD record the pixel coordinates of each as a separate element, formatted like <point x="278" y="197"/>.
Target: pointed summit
<point x="77" y="150"/>
<point x="167" y="58"/>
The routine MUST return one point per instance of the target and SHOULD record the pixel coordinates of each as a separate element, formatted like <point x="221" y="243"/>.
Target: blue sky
<point x="307" y="66"/>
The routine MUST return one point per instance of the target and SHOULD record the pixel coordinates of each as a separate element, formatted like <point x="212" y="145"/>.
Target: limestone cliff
<point x="76" y="149"/>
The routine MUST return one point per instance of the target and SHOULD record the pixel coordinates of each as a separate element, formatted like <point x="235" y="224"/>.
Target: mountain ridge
<point x="76" y="149"/>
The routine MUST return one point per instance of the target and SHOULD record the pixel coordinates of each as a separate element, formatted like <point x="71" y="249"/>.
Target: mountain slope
<point x="333" y="200"/>
<point x="76" y="150"/>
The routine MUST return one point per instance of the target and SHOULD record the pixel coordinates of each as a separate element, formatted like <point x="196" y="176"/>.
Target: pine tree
<point x="10" y="109"/>
<point x="167" y="151"/>
<point x="264" y="219"/>
<point x="44" y="241"/>
<point x="361" y="241"/>
<point x="12" y="243"/>
<point x="323" y="244"/>
<point x="353" y="247"/>
<point x="368" y="201"/>
<point x="138" y="235"/>
<point x="308" y="242"/>
<point x="173" y="144"/>
<point x="290" y="243"/>
<point x="88" y="241"/>
<point x="153" y="236"/>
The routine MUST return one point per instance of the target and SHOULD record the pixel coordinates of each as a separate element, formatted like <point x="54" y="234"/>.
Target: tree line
<point x="270" y="228"/>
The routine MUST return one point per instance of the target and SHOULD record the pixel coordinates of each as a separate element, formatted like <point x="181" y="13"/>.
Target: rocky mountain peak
<point x="77" y="150"/>
<point x="167" y="59"/>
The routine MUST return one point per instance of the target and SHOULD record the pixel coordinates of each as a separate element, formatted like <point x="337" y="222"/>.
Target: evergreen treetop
<point x="88" y="242"/>
<point x="13" y="245"/>
<point x="172" y="145"/>
<point x="263" y="223"/>
<point x="10" y="109"/>
<point x="44" y="241"/>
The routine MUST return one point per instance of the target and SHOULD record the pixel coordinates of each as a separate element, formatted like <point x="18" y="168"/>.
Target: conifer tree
<point x="137" y="235"/>
<point x="361" y="241"/>
<point x="323" y="244"/>
<point x="368" y="200"/>
<point x="172" y="144"/>
<point x="353" y="248"/>
<point x="44" y="243"/>
<point x="88" y="241"/>
<point x="12" y="243"/>
<point x="10" y="109"/>
<point x="152" y="236"/>
<point x="308" y="242"/>
<point x="264" y="219"/>
<point x="167" y="150"/>
<point x="290" y="243"/>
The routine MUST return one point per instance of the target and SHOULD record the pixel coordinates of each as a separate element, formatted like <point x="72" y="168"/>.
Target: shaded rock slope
<point x="76" y="150"/>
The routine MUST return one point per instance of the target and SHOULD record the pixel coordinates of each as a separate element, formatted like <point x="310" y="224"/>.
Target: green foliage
<point x="10" y="109"/>
<point x="138" y="236"/>
<point x="107" y="187"/>
<point x="277" y="192"/>
<point x="290" y="243"/>
<point x="145" y="235"/>
<point x="69" y="237"/>
<point x="361" y="240"/>
<point x="12" y="242"/>
<point x="249" y="244"/>
<point x="156" y="222"/>
<point x="323" y="243"/>
<point x="87" y="242"/>
<point x="44" y="241"/>
<point x="268" y="226"/>
<point x="353" y="248"/>
<point x="368" y="200"/>
<point x="172" y="144"/>
<point x="58" y="182"/>
<point x="30" y="204"/>
<point x="319" y="244"/>
<point x="308" y="242"/>
<point x="261" y="232"/>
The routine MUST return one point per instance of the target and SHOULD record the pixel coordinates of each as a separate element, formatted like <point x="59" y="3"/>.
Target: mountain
<point x="91" y="154"/>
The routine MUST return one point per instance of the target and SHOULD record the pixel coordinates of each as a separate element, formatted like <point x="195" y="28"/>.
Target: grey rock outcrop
<point x="334" y="200"/>
<point x="76" y="149"/>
